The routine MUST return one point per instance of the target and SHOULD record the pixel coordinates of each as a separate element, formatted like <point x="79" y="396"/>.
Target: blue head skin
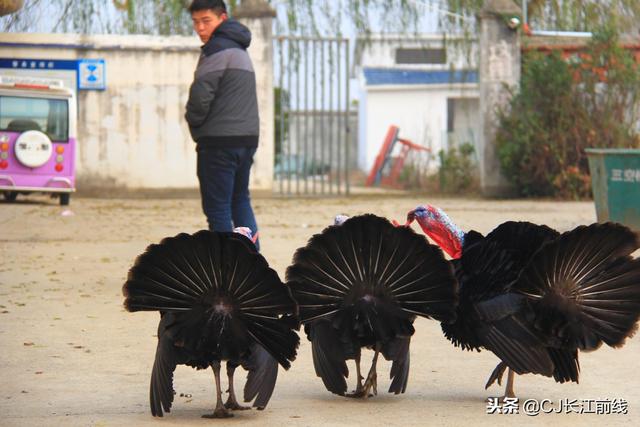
<point x="339" y="219"/>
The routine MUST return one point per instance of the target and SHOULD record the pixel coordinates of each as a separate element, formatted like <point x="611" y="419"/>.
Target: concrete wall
<point x="500" y="61"/>
<point x="133" y="134"/>
<point x="261" y="52"/>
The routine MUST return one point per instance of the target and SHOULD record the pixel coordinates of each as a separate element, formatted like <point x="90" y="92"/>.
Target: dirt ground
<point x="70" y="355"/>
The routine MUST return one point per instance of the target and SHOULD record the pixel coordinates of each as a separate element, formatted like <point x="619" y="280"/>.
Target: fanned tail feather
<point x="367" y="255"/>
<point x="176" y="273"/>
<point x="277" y="338"/>
<point x="585" y="287"/>
<point x="217" y="281"/>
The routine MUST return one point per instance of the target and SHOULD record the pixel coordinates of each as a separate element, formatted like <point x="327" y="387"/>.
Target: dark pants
<point x="224" y="187"/>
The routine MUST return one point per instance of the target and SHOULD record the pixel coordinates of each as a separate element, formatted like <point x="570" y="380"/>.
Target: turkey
<point x="361" y="283"/>
<point x="218" y="300"/>
<point x="535" y="297"/>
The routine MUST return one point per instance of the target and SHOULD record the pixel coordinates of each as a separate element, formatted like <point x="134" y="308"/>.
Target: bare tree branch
<point x="317" y="17"/>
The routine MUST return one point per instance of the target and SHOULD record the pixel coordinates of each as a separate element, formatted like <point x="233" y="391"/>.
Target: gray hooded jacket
<point x="222" y="110"/>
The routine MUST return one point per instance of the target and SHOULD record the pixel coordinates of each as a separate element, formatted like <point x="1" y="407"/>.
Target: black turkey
<point x="534" y="297"/>
<point x="361" y="283"/>
<point x="218" y="300"/>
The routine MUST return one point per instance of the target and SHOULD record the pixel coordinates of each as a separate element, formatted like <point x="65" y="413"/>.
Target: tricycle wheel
<point x="10" y="196"/>
<point x="64" y="199"/>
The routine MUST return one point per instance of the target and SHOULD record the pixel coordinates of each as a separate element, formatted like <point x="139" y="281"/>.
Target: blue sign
<point x="38" y="64"/>
<point x="88" y="73"/>
<point x="92" y="74"/>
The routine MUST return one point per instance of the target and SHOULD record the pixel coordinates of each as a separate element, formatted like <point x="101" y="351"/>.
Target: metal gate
<point x="312" y="143"/>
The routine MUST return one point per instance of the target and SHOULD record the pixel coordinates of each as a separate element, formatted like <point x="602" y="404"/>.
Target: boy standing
<point x="222" y="113"/>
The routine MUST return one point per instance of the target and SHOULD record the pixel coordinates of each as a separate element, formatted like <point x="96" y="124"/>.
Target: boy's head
<point x="207" y="15"/>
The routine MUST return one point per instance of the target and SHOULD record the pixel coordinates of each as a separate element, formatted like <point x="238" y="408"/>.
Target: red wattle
<point x="444" y="239"/>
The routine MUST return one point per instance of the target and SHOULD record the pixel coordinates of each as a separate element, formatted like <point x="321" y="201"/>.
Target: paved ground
<point x="70" y="354"/>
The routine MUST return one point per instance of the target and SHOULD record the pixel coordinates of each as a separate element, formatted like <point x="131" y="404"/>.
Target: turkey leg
<point x="508" y="390"/>
<point x="232" y="402"/>
<point x="359" y="388"/>
<point x="220" y="411"/>
<point x="371" y="384"/>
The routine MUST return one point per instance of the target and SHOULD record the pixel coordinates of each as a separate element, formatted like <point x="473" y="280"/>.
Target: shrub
<point x="458" y="170"/>
<point x="564" y="106"/>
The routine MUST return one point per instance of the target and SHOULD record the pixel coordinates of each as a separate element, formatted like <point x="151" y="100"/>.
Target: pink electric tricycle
<point x="37" y="139"/>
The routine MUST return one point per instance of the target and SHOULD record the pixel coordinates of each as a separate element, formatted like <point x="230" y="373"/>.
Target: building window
<point x="421" y="56"/>
<point x="450" y="114"/>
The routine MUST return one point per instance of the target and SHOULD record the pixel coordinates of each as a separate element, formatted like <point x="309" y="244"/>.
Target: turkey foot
<point x="220" y="411"/>
<point x="508" y="390"/>
<point x="359" y="388"/>
<point x="371" y="383"/>
<point x="232" y="402"/>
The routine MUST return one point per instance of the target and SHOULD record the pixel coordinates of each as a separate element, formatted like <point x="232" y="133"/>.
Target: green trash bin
<point x="615" y="178"/>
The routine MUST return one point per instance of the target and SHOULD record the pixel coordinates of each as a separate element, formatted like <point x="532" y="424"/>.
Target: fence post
<point x="258" y="16"/>
<point x="500" y="58"/>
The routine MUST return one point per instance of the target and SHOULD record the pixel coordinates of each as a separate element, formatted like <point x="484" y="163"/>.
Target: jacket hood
<point x="229" y="34"/>
<point x="233" y="30"/>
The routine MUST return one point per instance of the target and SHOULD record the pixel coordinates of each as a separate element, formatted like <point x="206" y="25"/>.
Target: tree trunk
<point x="10" y="6"/>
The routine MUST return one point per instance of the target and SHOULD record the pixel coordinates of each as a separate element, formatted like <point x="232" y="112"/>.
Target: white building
<point x="426" y="87"/>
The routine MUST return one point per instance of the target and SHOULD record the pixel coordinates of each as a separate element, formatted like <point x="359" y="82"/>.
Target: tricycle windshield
<point x="20" y="114"/>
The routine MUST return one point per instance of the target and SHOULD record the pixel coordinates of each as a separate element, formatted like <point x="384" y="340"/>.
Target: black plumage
<point x="535" y="297"/>
<point x="362" y="284"/>
<point x="218" y="300"/>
